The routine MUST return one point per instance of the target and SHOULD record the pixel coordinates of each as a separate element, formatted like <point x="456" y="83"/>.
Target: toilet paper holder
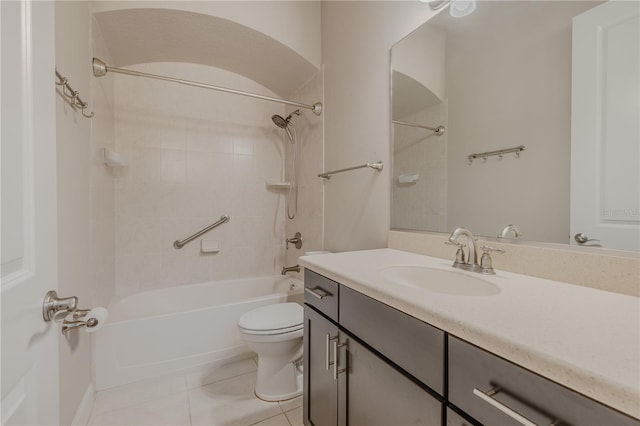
<point x="79" y="321"/>
<point x="54" y="307"/>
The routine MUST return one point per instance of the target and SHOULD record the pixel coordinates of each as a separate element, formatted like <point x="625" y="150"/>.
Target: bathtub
<point x="183" y="328"/>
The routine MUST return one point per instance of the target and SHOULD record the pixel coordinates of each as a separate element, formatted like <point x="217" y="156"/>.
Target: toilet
<point x="274" y="332"/>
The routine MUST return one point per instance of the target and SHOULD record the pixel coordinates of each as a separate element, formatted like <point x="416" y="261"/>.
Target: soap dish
<point x="272" y="184"/>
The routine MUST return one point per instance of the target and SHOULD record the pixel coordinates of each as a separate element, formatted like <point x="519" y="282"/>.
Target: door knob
<point x="53" y="304"/>
<point x="582" y="238"/>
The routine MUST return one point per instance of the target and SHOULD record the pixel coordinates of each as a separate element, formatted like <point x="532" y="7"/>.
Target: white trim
<point x="83" y="413"/>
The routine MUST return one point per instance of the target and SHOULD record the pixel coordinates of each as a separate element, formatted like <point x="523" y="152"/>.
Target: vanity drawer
<point x="473" y="370"/>
<point x="321" y="293"/>
<point x="413" y="345"/>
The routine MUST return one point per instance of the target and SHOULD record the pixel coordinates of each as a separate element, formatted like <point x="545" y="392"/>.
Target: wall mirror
<point x="521" y="113"/>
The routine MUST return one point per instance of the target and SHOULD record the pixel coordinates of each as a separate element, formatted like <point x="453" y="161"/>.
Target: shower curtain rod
<point x="100" y="69"/>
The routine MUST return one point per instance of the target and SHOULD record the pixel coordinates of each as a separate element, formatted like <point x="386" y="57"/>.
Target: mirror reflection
<point x="521" y="113"/>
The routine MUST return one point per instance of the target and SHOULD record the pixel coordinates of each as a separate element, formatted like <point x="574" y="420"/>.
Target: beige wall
<point x="493" y="107"/>
<point x="85" y="198"/>
<point x="194" y="155"/>
<point x="102" y="180"/>
<point x="73" y="134"/>
<point x="356" y="38"/>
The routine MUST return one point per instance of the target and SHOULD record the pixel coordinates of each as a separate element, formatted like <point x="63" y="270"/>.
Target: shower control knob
<point x="297" y="240"/>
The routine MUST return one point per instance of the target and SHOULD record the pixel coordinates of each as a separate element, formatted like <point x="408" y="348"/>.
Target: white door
<point x="29" y="367"/>
<point x="605" y="128"/>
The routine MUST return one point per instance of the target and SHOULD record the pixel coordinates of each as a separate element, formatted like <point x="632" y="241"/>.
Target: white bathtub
<point x="189" y="327"/>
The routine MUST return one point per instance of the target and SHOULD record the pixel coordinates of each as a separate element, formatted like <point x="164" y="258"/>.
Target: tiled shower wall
<point x="309" y="129"/>
<point x="421" y="205"/>
<point x="102" y="183"/>
<point x="194" y="155"/>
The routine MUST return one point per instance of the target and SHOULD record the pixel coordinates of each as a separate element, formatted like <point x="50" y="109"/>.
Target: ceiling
<point x="145" y="35"/>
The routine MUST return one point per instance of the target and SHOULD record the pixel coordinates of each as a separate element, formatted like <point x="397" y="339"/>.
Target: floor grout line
<point x="186" y="380"/>
<point x="186" y="384"/>
<point x="267" y="418"/>
<point x="288" y="420"/>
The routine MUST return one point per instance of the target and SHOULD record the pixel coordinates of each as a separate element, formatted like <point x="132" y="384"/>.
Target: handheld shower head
<point x="284" y="123"/>
<point x="279" y="121"/>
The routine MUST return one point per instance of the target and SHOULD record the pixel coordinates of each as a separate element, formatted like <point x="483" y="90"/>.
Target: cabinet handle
<point x="335" y="359"/>
<point x="488" y="398"/>
<point x="328" y="339"/>
<point x="317" y="292"/>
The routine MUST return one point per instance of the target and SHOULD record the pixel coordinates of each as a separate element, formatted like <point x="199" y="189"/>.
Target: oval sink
<point x="439" y="281"/>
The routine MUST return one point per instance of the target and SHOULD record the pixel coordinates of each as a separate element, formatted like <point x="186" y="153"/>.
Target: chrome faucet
<point x="509" y="228"/>
<point x="470" y="262"/>
<point x="286" y="269"/>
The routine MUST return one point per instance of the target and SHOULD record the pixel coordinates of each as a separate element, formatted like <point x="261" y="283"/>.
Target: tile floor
<point x="221" y="396"/>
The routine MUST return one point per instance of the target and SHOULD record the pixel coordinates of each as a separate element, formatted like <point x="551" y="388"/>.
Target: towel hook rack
<point x="499" y="152"/>
<point x="72" y="96"/>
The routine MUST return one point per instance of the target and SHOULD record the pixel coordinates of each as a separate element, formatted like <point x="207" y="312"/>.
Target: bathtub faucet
<point x="286" y="269"/>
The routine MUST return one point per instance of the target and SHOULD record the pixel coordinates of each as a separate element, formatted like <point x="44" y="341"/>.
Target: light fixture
<point x="457" y="8"/>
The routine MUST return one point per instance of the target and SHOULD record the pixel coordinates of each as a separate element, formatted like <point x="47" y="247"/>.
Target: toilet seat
<point x="278" y="318"/>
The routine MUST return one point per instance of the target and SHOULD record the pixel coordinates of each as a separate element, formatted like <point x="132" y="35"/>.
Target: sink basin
<point x="439" y="281"/>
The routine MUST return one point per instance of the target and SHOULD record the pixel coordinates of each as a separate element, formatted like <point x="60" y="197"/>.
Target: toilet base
<point x="277" y="384"/>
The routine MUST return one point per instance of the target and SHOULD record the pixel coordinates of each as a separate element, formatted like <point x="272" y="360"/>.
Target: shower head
<point x="284" y="123"/>
<point x="280" y="122"/>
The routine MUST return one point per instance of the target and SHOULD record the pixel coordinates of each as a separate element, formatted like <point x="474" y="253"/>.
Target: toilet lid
<point x="278" y="316"/>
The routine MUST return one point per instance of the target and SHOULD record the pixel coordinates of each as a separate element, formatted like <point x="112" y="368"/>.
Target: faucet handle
<point x="460" y="259"/>
<point x="486" y="265"/>
<point x="449" y="243"/>
<point x="487" y="249"/>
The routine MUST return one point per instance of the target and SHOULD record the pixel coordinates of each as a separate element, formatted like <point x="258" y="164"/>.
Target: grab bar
<point x="179" y="244"/>
<point x="377" y="166"/>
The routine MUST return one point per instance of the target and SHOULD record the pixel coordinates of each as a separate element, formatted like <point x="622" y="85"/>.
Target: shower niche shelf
<point x="276" y="184"/>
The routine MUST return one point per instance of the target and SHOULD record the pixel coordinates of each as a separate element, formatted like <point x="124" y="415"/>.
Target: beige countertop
<point x="583" y="338"/>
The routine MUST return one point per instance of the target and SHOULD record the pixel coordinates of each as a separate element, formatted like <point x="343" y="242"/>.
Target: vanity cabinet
<point x="348" y="382"/>
<point x="320" y="406"/>
<point x="367" y="363"/>
<point x="495" y="391"/>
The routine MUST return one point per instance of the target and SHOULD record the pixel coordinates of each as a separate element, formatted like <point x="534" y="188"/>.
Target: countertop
<point x="583" y="338"/>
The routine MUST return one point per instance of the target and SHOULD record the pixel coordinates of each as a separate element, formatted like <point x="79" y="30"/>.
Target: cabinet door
<point x="379" y="395"/>
<point x="320" y="389"/>
<point x="411" y="344"/>
<point x="455" y="419"/>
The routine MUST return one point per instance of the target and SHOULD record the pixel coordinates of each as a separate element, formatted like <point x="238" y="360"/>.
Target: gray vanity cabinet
<point x="363" y="388"/>
<point x="320" y="389"/>
<point x="391" y="371"/>
<point x="495" y="391"/>
<point x="378" y="395"/>
<point x="455" y="419"/>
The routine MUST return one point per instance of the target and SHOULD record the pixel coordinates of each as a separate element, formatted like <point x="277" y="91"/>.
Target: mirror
<point x="482" y="123"/>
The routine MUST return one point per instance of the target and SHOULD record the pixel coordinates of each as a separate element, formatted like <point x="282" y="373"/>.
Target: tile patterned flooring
<point x="222" y="396"/>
